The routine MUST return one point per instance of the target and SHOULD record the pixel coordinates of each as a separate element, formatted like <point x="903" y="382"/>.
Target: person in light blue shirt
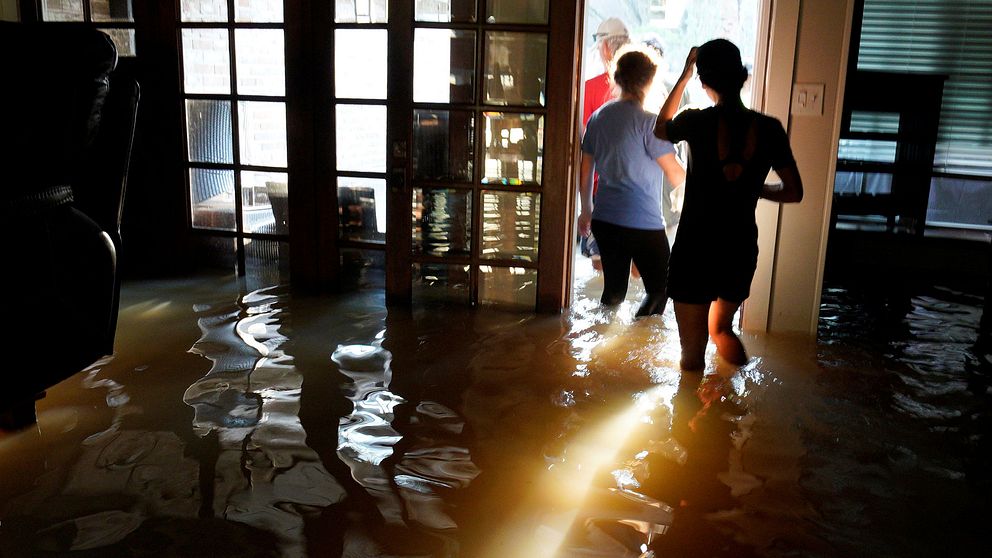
<point x="619" y="144"/>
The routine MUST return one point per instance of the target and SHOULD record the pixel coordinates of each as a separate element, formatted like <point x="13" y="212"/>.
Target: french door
<point x="441" y="114"/>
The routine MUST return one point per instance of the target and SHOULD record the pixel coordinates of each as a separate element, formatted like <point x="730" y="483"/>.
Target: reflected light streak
<point x="571" y="485"/>
<point x="153" y="311"/>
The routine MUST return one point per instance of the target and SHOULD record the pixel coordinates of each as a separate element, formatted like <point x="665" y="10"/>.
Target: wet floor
<point x="262" y="423"/>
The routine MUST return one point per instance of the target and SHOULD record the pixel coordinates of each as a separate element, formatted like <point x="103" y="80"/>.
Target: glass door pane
<point x="444" y="66"/>
<point x="360" y="63"/>
<point x="206" y="61"/>
<point x="203" y="10"/>
<point x="516" y="68"/>
<point x="361" y="138"/>
<point x="510" y="225"/>
<point x="442" y="145"/>
<point x="514" y="148"/>
<point x="360" y="11"/>
<point x="445" y="11"/>
<point x="517" y="11"/>
<point x="362" y="208"/>
<point x="441" y="222"/>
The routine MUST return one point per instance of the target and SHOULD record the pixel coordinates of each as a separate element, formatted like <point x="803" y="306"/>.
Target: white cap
<point x="611" y="27"/>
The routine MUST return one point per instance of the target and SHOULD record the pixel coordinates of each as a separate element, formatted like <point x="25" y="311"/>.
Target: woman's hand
<point x="585" y="222"/>
<point x="690" y="62"/>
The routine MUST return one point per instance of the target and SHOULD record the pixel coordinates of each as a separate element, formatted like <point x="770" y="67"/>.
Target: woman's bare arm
<point x="789" y="191"/>
<point x="673" y="170"/>
<point x="671" y="105"/>
<point x="586" y="167"/>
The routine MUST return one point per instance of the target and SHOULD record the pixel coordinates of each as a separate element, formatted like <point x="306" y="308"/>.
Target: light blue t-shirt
<point x="620" y="137"/>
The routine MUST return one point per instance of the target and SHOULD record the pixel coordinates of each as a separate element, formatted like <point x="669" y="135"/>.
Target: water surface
<point x="263" y="423"/>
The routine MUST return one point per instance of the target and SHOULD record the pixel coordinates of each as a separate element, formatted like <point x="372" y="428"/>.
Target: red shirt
<point x="597" y="92"/>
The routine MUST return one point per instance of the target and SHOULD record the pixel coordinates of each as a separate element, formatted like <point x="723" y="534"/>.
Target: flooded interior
<point x="237" y="422"/>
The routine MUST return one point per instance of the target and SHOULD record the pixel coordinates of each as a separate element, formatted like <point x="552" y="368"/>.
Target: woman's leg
<point x="650" y="252"/>
<point x="616" y="261"/>
<point x="721" y="330"/>
<point x="692" y="334"/>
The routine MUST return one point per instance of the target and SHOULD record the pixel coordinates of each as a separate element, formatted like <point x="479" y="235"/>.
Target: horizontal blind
<point x="951" y="37"/>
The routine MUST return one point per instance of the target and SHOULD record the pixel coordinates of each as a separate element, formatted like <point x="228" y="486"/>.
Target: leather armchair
<point x="67" y="135"/>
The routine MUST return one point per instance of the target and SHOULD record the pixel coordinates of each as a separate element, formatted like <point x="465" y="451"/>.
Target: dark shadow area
<point x="69" y="131"/>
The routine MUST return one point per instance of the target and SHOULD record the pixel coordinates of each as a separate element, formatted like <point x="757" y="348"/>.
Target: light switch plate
<point x="807" y="99"/>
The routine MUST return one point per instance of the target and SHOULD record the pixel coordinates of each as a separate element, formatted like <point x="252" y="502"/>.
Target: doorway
<point x="669" y="28"/>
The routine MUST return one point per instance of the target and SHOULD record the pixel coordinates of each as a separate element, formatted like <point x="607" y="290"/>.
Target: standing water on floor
<point x="270" y="424"/>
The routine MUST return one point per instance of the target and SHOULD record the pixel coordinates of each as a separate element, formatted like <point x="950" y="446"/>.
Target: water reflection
<point x="262" y="473"/>
<point x="892" y="393"/>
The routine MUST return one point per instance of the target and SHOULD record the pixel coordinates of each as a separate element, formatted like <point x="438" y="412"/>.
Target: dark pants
<point x="618" y="246"/>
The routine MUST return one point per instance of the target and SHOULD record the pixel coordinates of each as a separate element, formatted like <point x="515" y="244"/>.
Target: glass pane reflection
<point x="444" y="11"/>
<point x="265" y="202"/>
<point x="360" y="133"/>
<point x="443" y="66"/>
<point x="123" y="40"/>
<point x="262" y="130"/>
<point x="442" y="222"/>
<point x="206" y="62"/>
<point x="62" y="10"/>
<point x="509" y="287"/>
<point x="362" y="208"/>
<point x="360" y="63"/>
<point x="510" y="225"/>
<point x="209" y="135"/>
<point x="517" y="11"/>
<point x="441" y="283"/>
<point x="266" y="265"/>
<point x="443" y="145"/>
<point x="363" y="269"/>
<point x="258" y="11"/>
<point x="261" y="62"/>
<point x="212" y="198"/>
<point x="203" y="10"/>
<point x="360" y="11"/>
<point x="516" y="66"/>
<point x="514" y="148"/>
<point x="214" y="252"/>
<point x="104" y="10"/>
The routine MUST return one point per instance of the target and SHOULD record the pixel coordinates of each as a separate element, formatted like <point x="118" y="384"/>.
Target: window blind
<point x="952" y="37"/>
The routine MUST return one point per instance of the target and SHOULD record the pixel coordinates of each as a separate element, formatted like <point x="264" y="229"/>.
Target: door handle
<point x="397" y="180"/>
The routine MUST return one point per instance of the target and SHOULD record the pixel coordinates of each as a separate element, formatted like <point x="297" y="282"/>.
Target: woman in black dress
<point x="731" y="149"/>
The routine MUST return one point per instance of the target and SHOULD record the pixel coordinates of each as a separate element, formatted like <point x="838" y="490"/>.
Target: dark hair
<point x="634" y="71"/>
<point x="719" y="65"/>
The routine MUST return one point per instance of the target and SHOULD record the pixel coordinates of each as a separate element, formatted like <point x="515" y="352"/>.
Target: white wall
<point x="8" y="10"/>
<point x="793" y="237"/>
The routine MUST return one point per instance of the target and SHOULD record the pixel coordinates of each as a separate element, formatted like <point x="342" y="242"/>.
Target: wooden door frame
<point x="399" y="143"/>
<point x="554" y="279"/>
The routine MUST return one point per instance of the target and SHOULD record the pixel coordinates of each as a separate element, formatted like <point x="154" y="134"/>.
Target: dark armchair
<point x="67" y="130"/>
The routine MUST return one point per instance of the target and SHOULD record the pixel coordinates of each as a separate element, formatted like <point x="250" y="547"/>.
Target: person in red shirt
<point x="610" y="36"/>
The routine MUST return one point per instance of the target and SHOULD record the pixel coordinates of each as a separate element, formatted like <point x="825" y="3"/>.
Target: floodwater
<point x="262" y="423"/>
